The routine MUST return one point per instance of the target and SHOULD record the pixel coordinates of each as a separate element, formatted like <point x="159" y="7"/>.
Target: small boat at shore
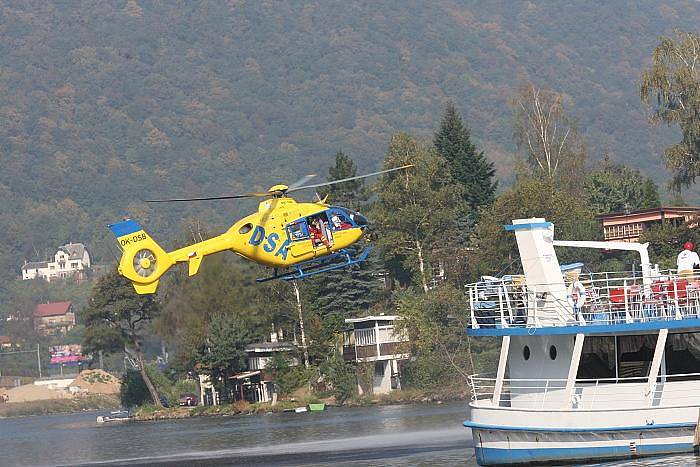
<point x="116" y="416"/>
<point x="320" y="407"/>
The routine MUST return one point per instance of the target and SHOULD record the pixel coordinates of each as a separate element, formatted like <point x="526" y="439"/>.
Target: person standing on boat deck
<point x="687" y="260"/>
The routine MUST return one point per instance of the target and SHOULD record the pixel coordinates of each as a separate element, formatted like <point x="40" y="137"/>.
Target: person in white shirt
<point x="687" y="260"/>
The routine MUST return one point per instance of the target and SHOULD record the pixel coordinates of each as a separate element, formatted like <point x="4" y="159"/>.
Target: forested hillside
<point x="103" y="104"/>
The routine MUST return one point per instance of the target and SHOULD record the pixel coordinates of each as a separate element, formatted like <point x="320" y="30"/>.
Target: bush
<point x="288" y="378"/>
<point x="341" y="376"/>
<point x="133" y="390"/>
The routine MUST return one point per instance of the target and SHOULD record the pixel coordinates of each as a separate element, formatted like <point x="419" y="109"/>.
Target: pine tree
<point x="352" y="194"/>
<point x="341" y="294"/>
<point x="468" y="167"/>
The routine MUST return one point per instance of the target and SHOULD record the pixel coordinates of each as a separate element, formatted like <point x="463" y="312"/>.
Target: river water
<point x="409" y="435"/>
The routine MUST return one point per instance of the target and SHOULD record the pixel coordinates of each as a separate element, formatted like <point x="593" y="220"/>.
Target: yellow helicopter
<point x="302" y="239"/>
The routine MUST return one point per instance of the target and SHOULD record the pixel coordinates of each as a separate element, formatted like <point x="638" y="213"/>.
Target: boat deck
<point x="612" y="303"/>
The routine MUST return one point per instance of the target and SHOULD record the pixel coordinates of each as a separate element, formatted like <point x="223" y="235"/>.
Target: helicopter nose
<point x="360" y="220"/>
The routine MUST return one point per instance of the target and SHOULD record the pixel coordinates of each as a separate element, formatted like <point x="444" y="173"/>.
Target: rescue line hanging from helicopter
<point x="296" y="239"/>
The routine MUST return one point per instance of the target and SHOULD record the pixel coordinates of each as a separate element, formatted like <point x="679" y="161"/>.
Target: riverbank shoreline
<point x="84" y="403"/>
<point x="153" y="413"/>
<point x="96" y="402"/>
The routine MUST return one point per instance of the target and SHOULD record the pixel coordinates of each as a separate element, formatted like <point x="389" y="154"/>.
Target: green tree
<point x="223" y="285"/>
<point x="133" y="390"/>
<point x="223" y="354"/>
<point x="495" y="250"/>
<point x="671" y="89"/>
<point x="666" y="240"/>
<point x="435" y="323"/>
<point x="416" y="209"/>
<point x="340" y="294"/>
<point x="352" y="194"/>
<point x="289" y="377"/>
<point x="468" y="167"/>
<point x="616" y="187"/>
<point x="650" y="195"/>
<point x="341" y="376"/>
<point x="116" y="319"/>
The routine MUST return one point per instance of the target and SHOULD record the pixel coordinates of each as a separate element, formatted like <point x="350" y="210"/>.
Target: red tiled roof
<point x="52" y="309"/>
<point x="5" y="340"/>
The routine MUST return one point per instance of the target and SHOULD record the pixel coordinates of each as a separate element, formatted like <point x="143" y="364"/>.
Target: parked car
<point x="188" y="400"/>
<point x="164" y="402"/>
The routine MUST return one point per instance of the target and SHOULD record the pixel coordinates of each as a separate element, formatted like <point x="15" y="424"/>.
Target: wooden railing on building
<point x="365" y="351"/>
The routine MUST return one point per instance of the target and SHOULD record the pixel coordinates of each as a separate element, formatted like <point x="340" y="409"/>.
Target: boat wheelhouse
<point x="592" y="365"/>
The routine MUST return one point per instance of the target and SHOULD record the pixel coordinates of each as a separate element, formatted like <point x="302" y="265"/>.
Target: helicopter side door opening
<point x="320" y="231"/>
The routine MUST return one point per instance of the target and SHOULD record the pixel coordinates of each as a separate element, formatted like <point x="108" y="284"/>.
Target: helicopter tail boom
<point x="143" y="261"/>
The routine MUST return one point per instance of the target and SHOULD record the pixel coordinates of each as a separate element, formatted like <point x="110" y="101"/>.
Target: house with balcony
<point x="71" y="260"/>
<point x="255" y="384"/>
<point x="375" y="340"/>
<point x="52" y="318"/>
<point x="628" y="226"/>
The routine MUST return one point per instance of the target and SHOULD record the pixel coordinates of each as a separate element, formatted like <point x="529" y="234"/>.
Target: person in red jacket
<point x="317" y="234"/>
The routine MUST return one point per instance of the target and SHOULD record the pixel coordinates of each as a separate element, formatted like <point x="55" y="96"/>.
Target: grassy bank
<point x="54" y="406"/>
<point x="151" y="412"/>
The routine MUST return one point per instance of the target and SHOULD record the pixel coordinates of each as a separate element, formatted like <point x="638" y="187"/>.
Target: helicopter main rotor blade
<point x="296" y="186"/>
<point x="349" y="179"/>
<point x="207" y="198"/>
<point x="301" y="181"/>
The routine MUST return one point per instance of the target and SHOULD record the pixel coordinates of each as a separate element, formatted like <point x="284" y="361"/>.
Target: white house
<point x="71" y="259"/>
<point x="375" y="340"/>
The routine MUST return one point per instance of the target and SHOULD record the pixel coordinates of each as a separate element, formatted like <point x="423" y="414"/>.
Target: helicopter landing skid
<point x="319" y="265"/>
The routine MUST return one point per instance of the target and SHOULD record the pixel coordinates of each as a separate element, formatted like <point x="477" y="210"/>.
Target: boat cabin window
<point x="597" y="358"/>
<point x="634" y="355"/>
<point x="683" y="356"/>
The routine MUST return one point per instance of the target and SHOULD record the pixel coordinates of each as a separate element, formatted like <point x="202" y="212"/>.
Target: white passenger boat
<point x="592" y="366"/>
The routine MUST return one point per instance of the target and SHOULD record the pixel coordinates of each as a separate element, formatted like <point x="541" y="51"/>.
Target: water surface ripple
<point x="404" y="435"/>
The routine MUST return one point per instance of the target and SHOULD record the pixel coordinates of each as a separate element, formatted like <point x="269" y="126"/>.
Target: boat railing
<point x="585" y="394"/>
<point x="583" y="299"/>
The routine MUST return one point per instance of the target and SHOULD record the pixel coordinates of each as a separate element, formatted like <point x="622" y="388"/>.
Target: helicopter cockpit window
<point x="340" y="221"/>
<point x="298" y="231"/>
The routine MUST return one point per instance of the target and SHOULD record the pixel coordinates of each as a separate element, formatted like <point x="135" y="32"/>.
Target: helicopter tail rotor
<point x="143" y="261"/>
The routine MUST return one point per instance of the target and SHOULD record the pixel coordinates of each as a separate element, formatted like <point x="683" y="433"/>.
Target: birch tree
<point x="671" y="89"/>
<point x="547" y="135"/>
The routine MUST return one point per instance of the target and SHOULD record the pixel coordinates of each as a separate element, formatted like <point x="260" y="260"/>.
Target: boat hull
<point x="505" y="446"/>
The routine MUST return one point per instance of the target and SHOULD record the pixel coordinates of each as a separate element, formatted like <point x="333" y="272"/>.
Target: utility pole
<point x="38" y="359"/>
<point x="301" y="324"/>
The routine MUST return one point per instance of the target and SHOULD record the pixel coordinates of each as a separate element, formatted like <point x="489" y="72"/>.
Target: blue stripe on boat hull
<point x="661" y="426"/>
<point x="496" y="456"/>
